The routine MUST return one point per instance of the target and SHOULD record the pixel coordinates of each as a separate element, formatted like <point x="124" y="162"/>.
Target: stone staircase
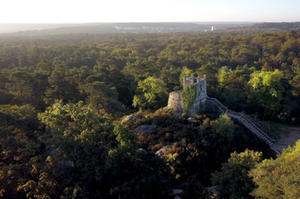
<point x="252" y="125"/>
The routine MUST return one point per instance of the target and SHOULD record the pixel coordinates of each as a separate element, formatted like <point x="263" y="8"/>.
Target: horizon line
<point x="50" y="23"/>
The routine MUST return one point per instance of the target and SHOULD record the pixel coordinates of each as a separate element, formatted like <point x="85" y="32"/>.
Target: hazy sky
<point x="72" y="11"/>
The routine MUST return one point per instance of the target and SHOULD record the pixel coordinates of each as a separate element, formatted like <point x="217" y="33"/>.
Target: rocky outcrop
<point x="162" y="151"/>
<point x="146" y="129"/>
<point x="131" y="118"/>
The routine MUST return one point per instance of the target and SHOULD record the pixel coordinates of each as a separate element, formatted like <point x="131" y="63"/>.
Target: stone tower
<point x="175" y="102"/>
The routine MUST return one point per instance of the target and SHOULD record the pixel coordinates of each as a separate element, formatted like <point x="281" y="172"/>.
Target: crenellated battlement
<point x="192" y="80"/>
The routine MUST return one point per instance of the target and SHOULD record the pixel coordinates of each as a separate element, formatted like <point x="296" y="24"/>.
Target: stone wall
<point x="174" y="102"/>
<point x="200" y="98"/>
<point x="188" y="81"/>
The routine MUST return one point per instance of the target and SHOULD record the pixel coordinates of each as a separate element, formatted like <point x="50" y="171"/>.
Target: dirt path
<point x="288" y="137"/>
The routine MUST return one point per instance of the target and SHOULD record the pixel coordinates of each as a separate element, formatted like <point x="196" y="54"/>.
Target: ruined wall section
<point x="200" y="99"/>
<point x="174" y="102"/>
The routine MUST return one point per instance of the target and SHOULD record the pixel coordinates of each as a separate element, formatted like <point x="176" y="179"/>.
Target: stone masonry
<point x="175" y="103"/>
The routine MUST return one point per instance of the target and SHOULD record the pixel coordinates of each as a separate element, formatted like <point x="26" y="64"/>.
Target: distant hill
<point x="167" y="27"/>
<point x="267" y="27"/>
<point x="9" y="28"/>
<point x="96" y="28"/>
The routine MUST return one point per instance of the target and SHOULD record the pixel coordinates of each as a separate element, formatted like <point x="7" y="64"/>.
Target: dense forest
<point x="81" y="115"/>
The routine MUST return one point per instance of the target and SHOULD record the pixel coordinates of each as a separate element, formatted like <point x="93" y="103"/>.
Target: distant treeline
<point x="266" y="27"/>
<point x="162" y="27"/>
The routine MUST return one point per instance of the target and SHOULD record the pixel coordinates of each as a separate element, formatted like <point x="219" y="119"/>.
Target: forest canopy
<point x="256" y="73"/>
<point x="81" y="115"/>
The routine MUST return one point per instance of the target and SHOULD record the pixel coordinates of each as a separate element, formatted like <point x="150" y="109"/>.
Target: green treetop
<point x="152" y="94"/>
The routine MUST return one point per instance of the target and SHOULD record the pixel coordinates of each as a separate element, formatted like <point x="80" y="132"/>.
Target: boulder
<point x="146" y="129"/>
<point x="177" y="191"/>
<point x="163" y="150"/>
<point x="141" y="150"/>
<point x="131" y="118"/>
